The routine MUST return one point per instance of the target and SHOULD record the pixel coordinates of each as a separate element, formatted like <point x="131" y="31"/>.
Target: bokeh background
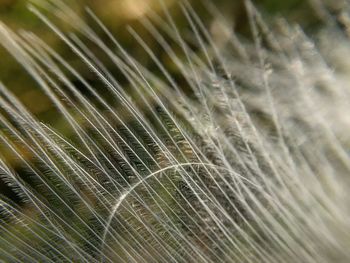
<point x="116" y="15"/>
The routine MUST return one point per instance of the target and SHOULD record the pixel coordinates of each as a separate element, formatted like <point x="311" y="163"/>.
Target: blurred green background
<point x="116" y="14"/>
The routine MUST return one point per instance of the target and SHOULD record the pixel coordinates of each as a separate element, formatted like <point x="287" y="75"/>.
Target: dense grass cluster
<point x="237" y="150"/>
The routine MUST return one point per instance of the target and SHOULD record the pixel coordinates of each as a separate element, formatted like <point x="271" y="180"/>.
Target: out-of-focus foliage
<point x="116" y="14"/>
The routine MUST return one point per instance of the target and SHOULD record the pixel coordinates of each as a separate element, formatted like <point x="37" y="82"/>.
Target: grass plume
<point x="238" y="153"/>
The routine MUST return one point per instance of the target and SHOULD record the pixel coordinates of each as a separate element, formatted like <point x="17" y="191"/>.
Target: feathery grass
<point x="238" y="153"/>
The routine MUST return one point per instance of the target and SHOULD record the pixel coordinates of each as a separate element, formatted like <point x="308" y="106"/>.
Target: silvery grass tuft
<point x="246" y="159"/>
